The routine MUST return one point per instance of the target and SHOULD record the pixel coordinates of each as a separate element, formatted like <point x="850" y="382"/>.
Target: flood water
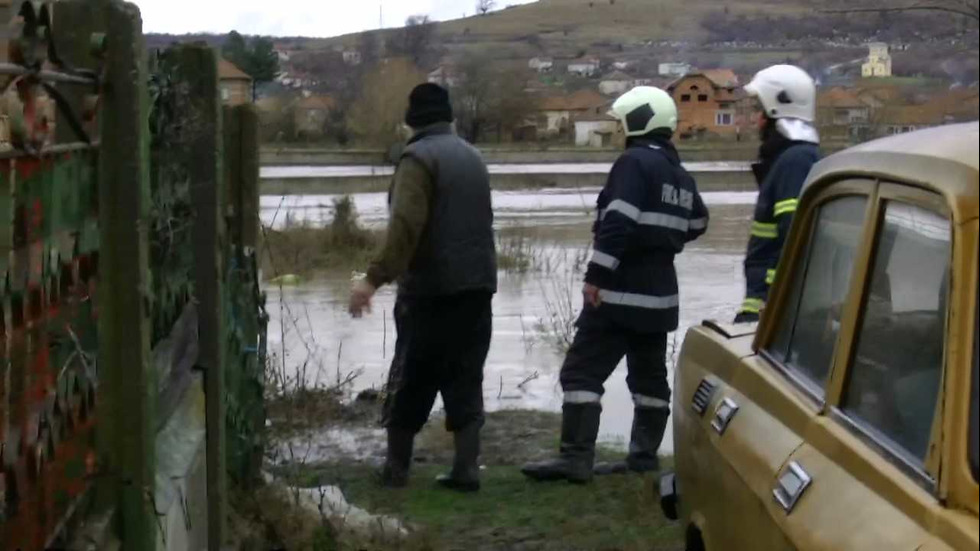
<point x="323" y="344"/>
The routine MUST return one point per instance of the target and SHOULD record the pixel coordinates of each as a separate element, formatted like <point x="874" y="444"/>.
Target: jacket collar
<point x="437" y="129"/>
<point x="658" y="143"/>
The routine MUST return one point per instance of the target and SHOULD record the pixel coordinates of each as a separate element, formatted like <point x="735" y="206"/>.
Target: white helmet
<point x="644" y="109"/>
<point x="786" y="92"/>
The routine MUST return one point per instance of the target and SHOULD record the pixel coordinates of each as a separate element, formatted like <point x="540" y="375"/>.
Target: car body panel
<point x="862" y="494"/>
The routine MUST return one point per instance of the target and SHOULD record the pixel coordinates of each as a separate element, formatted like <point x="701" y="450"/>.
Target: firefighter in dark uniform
<point x="649" y="209"/>
<point x="787" y="103"/>
<point x="440" y="249"/>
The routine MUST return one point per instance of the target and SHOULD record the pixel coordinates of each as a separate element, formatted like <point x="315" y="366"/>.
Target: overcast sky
<point x="293" y="17"/>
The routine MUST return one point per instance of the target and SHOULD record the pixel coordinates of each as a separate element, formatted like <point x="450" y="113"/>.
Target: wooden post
<point x="197" y="68"/>
<point x="249" y="190"/>
<point x="128" y="391"/>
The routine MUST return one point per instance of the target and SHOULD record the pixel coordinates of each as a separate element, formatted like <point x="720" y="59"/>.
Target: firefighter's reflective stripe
<point x="604" y="260"/>
<point x="770" y="276"/>
<point x="785" y="207"/>
<point x="623" y="208"/>
<point x="752" y="305"/>
<point x="661" y="220"/>
<point x="639" y="301"/>
<point x="764" y="230"/>
<point x="582" y="397"/>
<point x="642" y="401"/>
<point x="657" y="219"/>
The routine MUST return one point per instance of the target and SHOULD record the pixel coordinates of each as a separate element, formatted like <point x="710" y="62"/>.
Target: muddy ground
<point x="509" y="513"/>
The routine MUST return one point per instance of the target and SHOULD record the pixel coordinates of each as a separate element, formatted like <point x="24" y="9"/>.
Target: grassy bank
<point x="302" y="249"/>
<point x="510" y="512"/>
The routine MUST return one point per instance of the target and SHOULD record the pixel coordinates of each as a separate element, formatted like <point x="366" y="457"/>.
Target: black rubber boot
<point x="465" y="476"/>
<point x="399" y="458"/>
<point x="649" y="425"/>
<point x="579" y="429"/>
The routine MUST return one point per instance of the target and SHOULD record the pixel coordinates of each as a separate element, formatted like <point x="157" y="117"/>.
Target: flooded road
<point x="532" y="310"/>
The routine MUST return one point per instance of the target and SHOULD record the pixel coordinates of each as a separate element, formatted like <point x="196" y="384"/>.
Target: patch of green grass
<point x="510" y="512"/>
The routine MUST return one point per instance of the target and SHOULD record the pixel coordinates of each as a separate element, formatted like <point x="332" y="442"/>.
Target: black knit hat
<point x="428" y="104"/>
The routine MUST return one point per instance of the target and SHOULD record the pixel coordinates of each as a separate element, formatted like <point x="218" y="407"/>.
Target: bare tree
<point x="376" y="114"/>
<point x="489" y="98"/>
<point x="485" y="6"/>
<point x="417" y="39"/>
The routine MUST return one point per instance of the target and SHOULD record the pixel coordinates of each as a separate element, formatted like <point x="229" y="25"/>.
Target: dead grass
<point x="302" y="249"/>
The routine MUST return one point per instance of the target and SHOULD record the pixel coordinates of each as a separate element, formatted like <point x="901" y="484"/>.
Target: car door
<point x="867" y="475"/>
<point x="759" y="410"/>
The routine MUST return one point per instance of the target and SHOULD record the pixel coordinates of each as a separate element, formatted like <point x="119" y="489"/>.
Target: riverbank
<point x="738" y="179"/>
<point x="320" y="154"/>
<point x="509" y="513"/>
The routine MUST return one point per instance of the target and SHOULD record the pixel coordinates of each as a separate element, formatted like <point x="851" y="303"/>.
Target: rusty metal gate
<point x="132" y="324"/>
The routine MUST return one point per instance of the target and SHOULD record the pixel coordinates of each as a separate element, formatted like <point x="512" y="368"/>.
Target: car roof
<point x="943" y="159"/>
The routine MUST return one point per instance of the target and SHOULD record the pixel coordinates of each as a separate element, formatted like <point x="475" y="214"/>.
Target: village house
<point x="843" y="114"/>
<point x="235" y="85"/>
<point x="311" y="113"/>
<point x="707" y="103"/>
<point x="674" y="69"/>
<point x="615" y="83"/>
<point x="351" y="57"/>
<point x="595" y="128"/>
<point x="556" y="114"/>
<point x="879" y="62"/>
<point x="586" y="66"/>
<point x="444" y="75"/>
<point x="541" y="64"/>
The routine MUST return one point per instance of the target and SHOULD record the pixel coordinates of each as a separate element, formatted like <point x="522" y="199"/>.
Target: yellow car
<point x="848" y="418"/>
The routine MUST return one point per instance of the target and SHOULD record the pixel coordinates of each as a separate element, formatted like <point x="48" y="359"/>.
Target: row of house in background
<point x="866" y="112"/>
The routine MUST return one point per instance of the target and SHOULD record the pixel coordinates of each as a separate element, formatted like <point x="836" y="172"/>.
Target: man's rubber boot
<point x="579" y="429"/>
<point x="465" y="476"/>
<point x="398" y="459"/>
<point x="649" y="425"/>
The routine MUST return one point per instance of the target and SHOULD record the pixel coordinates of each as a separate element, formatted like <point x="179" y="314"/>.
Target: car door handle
<point x="726" y="410"/>
<point x="791" y="485"/>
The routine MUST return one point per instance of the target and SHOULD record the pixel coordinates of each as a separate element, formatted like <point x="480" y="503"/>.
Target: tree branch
<point x="945" y="9"/>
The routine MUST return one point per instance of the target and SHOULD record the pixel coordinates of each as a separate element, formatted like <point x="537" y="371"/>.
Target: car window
<point x="893" y="383"/>
<point x="974" y="424"/>
<point x="808" y="332"/>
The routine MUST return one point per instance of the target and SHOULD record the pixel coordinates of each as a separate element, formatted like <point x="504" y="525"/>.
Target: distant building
<point x="557" y="114"/>
<point x="541" y="64"/>
<point x="586" y="66"/>
<point x="310" y="115"/>
<point x="843" y="114"/>
<point x="879" y="62"/>
<point x="351" y="57"/>
<point x="615" y="83"/>
<point x="674" y="69"/>
<point x="622" y="65"/>
<point x="595" y="130"/>
<point x="445" y="76"/>
<point x="235" y="85"/>
<point x="707" y="103"/>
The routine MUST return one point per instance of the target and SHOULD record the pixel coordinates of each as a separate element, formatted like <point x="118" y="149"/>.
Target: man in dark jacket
<point x="787" y="99"/>
<point x="440" y="249"/>
<point x="649" y="209"/>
